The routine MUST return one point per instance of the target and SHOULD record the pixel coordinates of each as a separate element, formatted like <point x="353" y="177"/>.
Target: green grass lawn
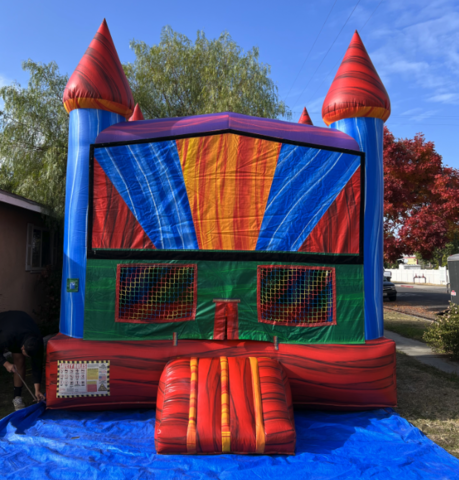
<point x="405" y="325"/>
<point x="429" y="399"/>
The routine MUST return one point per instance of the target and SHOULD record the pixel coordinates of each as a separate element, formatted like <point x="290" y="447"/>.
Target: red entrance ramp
<point x="224" y="405"/>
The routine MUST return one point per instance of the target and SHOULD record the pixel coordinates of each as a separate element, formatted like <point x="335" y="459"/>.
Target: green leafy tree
<point x="440" y="255"/>
<point x="33" y="137"/>
<point x="174" y="78"/>
<point x="178" y="78"/>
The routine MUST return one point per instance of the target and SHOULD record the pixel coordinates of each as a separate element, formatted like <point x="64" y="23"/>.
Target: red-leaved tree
<point x="421" y="198"/>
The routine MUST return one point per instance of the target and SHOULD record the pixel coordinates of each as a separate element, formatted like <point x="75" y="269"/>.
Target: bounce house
<point x="222" y="268"/>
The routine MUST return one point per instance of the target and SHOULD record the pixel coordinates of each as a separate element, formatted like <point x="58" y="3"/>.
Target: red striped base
<point x="340" y="377"/>
<point x="243" y="406"/>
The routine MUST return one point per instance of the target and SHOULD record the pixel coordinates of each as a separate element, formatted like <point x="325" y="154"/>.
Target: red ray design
<point x="99" y="80"/>
<point x="305" y="118"/>
<point x="338" y="231"/>
<point x="114" y="225"/>
<point x="357" y="90"/>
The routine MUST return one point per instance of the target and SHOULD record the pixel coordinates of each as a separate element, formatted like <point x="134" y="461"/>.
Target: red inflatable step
<point x="224" y="405"/>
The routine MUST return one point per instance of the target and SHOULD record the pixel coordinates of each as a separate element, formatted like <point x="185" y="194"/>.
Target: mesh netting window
<point x="156" y="293"/>
<point x="296" y="295"/>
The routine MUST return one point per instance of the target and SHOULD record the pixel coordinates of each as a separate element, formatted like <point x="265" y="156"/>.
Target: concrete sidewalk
<point x="422" y="352"/>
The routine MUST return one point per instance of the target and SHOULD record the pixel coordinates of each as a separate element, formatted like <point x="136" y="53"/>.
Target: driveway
<point x="420" y="300"/>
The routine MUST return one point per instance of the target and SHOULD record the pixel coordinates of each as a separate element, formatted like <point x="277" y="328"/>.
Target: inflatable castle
<point x="222" y="268"/>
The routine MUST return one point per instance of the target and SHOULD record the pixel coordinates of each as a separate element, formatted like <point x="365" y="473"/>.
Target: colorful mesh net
<point x="156" y="293"/>
<point x="300" y="296"/>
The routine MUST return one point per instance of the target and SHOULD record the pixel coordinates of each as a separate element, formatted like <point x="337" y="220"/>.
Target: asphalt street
<point x="436" y="298"/>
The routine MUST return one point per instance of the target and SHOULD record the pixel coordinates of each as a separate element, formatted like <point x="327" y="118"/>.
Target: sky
<point x="414" y="45"/>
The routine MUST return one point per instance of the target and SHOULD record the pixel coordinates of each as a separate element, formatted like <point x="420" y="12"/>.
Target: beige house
<point x="26" y="246"/>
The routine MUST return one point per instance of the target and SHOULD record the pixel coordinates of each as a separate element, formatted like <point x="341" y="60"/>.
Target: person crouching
<point x="21" y="336"/>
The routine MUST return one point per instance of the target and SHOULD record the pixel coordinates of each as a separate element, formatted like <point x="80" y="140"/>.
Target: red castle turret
<point x="99" y="81"/>
<point x="305" y="118"/>
<point x="137" y="114"/>
<point x="357" y="90"/>
<point x="358" y="104"/>
<point x="97" y="96"/>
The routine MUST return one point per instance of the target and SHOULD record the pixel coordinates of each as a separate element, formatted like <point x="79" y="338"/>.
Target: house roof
<point x="22" y="202"/>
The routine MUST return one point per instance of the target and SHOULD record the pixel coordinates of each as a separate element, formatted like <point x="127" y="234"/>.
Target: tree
<point x="33" y="137"/>
<point x="174" y="78"/>
<point x="421" y="198"/>
<point x="178" y="78"/>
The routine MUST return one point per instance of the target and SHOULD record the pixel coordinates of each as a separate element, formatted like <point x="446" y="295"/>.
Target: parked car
<point x="389" y="291"/>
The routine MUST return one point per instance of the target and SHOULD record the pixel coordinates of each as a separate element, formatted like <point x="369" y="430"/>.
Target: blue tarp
<point x="379" y="444"/>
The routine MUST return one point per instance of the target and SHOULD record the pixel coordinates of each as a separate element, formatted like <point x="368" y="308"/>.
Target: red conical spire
<point x="99" y="80"/>
<point x="137" y="115"/>
<point x="305" y="118"/>
<point x="357" y="90"/>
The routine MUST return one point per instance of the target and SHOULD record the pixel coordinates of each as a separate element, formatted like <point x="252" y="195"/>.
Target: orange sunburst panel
<point x="228" y="178"/>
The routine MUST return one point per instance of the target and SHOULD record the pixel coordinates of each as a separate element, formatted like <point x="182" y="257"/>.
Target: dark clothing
<point x="15" y="327"/>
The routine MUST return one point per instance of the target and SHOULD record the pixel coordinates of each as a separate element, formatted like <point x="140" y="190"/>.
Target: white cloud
<point x="420" y="48"/>
<point x="316" y="105"/>
<point x="424" y="115"/>
<point x="448" y="98"/>
<point x="417" y="115"/>
<point x="414" y="45"/>
<point x="4" y="80"/>
<point x="413" y="111"/>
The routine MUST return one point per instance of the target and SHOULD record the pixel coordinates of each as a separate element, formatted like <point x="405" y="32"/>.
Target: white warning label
<point x="83" y="378"/>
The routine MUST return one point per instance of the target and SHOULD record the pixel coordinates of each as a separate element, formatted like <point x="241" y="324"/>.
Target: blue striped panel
<point x="85" y="125"/>
<point x="369" y="134"/>
<point x="305" y="184"/>
<point x="149" y="179"/>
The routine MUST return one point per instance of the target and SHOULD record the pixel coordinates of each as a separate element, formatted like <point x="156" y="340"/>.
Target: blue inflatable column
<point x="358" y="104"/>
<point x="85" y="125"/>
<point x="368" y="132"/>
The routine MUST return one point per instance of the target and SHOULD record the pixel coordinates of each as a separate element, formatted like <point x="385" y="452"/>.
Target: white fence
<point x="420" y="276"/>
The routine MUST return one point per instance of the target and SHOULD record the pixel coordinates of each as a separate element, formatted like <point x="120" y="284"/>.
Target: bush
<point x="443" y="335"/>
